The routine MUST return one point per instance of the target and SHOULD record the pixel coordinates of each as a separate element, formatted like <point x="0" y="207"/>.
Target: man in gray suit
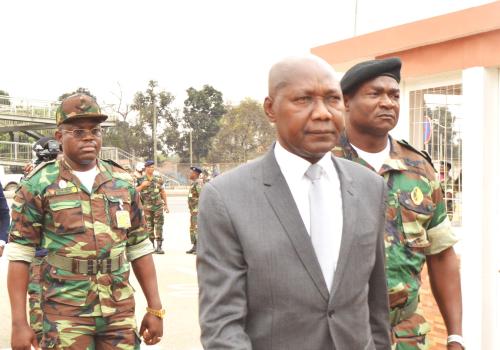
<point x="291" y="250"/>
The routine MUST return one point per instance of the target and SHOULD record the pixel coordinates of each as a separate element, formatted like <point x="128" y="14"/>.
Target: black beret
<point x="196" y="169"/>
<point x="149" y="163"/>
<point x="368" y="70"/>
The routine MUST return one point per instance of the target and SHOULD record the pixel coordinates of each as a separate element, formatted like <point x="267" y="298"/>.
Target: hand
<point x="27" y="169"/>
<point x="454" y="346"/>
<point x="22" y="338"/>
<point x="151" y="329"/>
<point x="165" y="208"/>
<point x="2" y="248"/>
<point x="145" y="183"/>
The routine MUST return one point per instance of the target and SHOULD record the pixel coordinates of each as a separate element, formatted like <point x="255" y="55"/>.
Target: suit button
<point x="330" y="313"/>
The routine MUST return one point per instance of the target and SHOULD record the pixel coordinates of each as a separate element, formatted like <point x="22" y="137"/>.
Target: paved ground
<point x="177" y="282"/>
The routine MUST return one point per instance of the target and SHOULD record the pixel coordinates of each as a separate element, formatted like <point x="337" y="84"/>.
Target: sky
<point x="51" y="47"/>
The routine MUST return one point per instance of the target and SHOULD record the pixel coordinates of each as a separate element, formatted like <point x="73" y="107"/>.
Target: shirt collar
<point x="294" y="167"/>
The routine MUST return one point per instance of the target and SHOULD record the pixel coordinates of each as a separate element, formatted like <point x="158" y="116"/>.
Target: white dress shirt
<point x="293" y="169"/>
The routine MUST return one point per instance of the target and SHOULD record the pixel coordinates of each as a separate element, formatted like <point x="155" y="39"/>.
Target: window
<point x="435" y="126"/>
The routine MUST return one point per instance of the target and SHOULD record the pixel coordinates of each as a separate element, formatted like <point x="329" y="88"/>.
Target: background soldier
<point x="154" y="201"/>
<point x="417" y="227"/>
<point x="88" y="216"/>
<point x="193" y="199"/>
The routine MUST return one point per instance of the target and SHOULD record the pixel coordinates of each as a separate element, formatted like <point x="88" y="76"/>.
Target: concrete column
<point x="481" y="177"/>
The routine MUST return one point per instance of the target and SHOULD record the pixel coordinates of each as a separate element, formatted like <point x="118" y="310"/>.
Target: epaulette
<point x="423" y="153"/>
<point x="112" y="162"/>
<point x="39" y="167"/>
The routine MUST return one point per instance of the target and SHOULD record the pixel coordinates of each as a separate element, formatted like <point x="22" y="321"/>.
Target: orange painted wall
<point x="477" y="50"/>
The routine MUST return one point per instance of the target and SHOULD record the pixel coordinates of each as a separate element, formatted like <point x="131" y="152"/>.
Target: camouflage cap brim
<point x="95" y="116"/>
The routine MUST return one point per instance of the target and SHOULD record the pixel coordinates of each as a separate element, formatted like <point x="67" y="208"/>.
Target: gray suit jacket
<point x="261" y="285"/>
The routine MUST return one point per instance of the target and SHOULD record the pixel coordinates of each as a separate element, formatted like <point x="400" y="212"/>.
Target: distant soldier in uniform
<point x="88" y="216"/>
<point x="417" y="227"/>
<point x="447" y="185"/>
<point x="154" y="201"/>
<point x="193" y="199"/>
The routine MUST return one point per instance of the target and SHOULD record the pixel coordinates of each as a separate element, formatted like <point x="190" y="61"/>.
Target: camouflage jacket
<point x="194" y="196"/>
<point x="53" y="210"/>
<point x="416" y="220"/>
<point x="151" y="195"/>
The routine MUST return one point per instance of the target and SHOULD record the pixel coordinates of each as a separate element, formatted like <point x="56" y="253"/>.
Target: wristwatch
<point x="455" y="338"/>
<point x="158" y="313"/>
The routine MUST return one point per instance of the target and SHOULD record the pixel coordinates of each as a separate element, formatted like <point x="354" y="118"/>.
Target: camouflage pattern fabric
<point x="34" y="296"/>
<point x="410" y="334"/>
<point x="153" y="206"/>
<point x="193" y="199"/>
<point x="416" y="225"/>
<point x="53" y="210"/>
<point x="117" y="331"/>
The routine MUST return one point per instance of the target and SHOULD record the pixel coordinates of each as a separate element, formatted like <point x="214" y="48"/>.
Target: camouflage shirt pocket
<point x="414" y="220"/>
<point x="67" y="214"/>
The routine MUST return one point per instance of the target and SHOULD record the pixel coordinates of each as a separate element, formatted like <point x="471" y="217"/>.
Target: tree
<point x="202" y="112"/>
<point x="244" y="134"/>
<point x="80" y="90"/>
<point x="167" y="117"/>
<point x="4" y="101"/>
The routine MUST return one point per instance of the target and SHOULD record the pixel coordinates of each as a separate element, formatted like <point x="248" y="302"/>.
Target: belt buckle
<point x="90" y="267"/>
<point x="94" y="266"/>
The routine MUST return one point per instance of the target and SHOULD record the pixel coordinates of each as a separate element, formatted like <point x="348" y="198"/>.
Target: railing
<point x="37" y="109"/>
<point x="21" y="152"/>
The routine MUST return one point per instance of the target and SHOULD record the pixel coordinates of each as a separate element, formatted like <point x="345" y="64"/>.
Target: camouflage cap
<point x="79" y="106"/>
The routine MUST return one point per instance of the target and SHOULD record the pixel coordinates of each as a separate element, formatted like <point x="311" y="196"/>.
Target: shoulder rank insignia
<point x="39" y="167"/>
<point x="423" y="153"/>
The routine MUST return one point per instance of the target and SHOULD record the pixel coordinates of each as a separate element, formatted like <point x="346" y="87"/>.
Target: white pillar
<point x="480" y="196"/>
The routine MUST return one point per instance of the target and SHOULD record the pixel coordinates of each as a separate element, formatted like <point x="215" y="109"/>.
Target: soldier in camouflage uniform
<point x="193" y="199"/>
<point x="88" y="216"/>
<point x="154" y="201"/>
<point x="417" y="227"/>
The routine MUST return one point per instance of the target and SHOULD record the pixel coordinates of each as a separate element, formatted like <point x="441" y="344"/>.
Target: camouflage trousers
<point x="34" y="294"/>
<point x="410" y="334"/>
<point x="193" y="227"/>
<point x="90" y="333"/>
<point x="154" y="222"/>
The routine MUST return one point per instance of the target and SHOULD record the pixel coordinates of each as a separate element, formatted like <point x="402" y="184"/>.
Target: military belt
<point x="399" y="314"/>
<point x="86" y="266"/>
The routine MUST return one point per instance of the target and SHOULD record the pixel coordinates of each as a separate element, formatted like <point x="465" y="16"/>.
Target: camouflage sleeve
<point x="26" y="226"/>
<point x="138" y="243"/>
<point x="439" y="231"/>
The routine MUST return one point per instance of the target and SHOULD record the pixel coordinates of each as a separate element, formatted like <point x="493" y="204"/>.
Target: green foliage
<point x="202" y="112"/>
<point x="80" y="90"/>
<point x="4" y="101"/>
<point x="244" y="134"/>
<point x="167" y="118"/>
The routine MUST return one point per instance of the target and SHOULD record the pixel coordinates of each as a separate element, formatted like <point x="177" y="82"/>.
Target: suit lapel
<point x="281" y="200"/>
<point x="349" y="205"/>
